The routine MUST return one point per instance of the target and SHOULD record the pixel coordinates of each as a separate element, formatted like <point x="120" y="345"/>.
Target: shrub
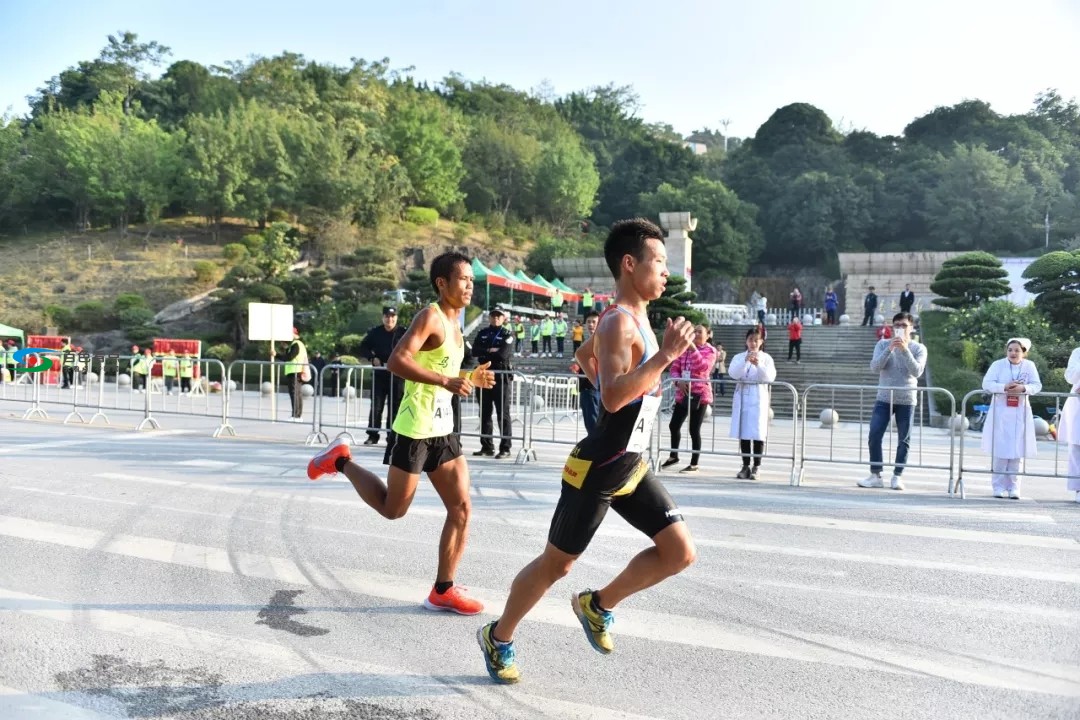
<point x="421" y="215"/>
<point x="969" y="355"/>
<point x="351" y="343"/>
<point x="134" y="317"/>
<point x="253" y="243"/>
<point x="206" y="271"/>
<point x="128" y="301"/>
<point x="59" y="316"/>
<point x="223" y="352"/>
<point x="142" y="334"/>
<point x="278" y="215"/>
<point x="461" y="232"/>
<point x="347" y="360"/>
<point x="235" y="252"/>
<point x="90" y="316"/>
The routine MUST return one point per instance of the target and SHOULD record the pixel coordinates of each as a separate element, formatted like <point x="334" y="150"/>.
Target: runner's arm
<point x="614" y="341"/>
<point x="585" y="356"/>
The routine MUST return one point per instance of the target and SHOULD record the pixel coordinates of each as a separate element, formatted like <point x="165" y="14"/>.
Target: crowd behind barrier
<point x="544" y="411"/>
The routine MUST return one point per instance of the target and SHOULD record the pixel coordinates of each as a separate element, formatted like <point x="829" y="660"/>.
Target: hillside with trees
<point x="134" y="136"/>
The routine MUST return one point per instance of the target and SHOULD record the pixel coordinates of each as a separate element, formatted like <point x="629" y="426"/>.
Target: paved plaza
<point x="168" y="574"/>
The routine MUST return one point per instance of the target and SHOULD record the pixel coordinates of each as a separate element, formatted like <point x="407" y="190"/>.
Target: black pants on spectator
<point x="696" y="410"/>
<point x="758" y="451"/>
<point x="69" y="377"/>
<point x="868" y="318"/>
<point x="547" y="343"/>
<point x="831" y="317"/>
<point x="796" y="346"/>
<point x="294" y="383"/>
<point x="497" y="399"/>
<point x="559" y="344"/>
<point x="386" y="392"/>
<point x="535" y="347"/>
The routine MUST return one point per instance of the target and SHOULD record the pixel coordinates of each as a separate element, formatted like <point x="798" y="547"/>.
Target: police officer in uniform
<point x="495" y="343"/>
<point x="376" y="347"/>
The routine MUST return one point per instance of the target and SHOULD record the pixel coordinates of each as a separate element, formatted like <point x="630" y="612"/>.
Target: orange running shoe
<point x="323" y="463"/>
<point x="455" y="600"/>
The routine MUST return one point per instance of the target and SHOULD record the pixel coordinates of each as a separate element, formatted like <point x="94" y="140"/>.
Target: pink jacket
<point x="698" y="361"/>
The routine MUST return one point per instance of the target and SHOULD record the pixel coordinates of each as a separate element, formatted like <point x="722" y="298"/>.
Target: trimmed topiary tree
<point x="969" y="279"/>
<point x="675" y="302"/>
<point x="1055" y="280"/>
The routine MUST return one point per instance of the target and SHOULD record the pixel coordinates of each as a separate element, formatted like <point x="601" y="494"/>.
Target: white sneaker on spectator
<point x="896" y="483"/>
<point x="1014" y="494"/>
<point x="1001" y="494"/>
<point x="1077" y="498"/>
<point x="871" y="481"/>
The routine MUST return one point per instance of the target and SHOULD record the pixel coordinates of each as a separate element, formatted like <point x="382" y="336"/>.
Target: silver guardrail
<point x="865" y="413"/>
<point x="1024" y="470"/>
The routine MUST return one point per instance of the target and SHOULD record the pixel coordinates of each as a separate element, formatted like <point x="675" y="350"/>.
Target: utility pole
<point x="1047" y="227"/>
<point x="725" y="122"/>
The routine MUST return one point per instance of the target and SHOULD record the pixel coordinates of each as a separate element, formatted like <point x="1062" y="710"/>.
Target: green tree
<point x="673" y="303"/>
<point x="970" y="279"/>
<point x="426" y="136"/>
<point x="1055" y="280"/>
<point x="727" y="238"/>
<point x="982" y="203"/>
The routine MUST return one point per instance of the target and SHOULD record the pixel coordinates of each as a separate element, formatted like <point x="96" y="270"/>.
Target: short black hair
<point x="591" y="313"/>
<point x="753" y="331"/>
<point x="443" y="267"/>
<point x="904" y="316"/>
<point x="627" y="237"/>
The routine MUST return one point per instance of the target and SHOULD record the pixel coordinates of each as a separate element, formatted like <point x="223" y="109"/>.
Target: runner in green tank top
<point x="428" y="358"/>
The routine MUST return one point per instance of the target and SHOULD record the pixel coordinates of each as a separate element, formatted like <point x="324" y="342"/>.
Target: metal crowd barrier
<point x="959" y="487"/>
<point x="865" y="411"/>
<point x="544" y="409"/>
<point x="715" y="449"/>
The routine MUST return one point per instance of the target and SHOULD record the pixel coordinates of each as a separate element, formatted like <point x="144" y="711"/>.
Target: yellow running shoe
<point x="595" y="624"/>
<point x="499" y="657"/>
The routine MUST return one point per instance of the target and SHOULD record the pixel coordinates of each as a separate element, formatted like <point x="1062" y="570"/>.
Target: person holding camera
<point x="899" y="362"/>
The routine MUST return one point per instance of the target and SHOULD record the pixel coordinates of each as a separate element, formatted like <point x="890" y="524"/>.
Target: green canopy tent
<point x="501" y="277"/>
<point x="6" y="331"/>
<point x="567" y="292"/>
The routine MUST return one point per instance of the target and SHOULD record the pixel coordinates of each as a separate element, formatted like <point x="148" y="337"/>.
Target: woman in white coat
<point x="1009" y="432"/>
<point x="750" y="402"/>
<point x="1069" y="426"/>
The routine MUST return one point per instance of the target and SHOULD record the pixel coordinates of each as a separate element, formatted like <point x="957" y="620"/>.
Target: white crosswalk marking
<point x="189" y="579"/>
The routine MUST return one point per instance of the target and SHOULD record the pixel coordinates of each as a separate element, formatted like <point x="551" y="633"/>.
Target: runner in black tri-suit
<point x="607" y="469"/>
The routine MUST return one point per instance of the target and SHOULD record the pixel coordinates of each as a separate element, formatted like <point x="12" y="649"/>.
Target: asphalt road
<point x="170" y="575"/>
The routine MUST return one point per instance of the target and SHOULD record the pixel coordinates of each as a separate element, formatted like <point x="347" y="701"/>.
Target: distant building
<point x="696" y="147"/>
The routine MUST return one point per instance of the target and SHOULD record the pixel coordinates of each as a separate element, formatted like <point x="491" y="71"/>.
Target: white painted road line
<point x="648" y="625"/>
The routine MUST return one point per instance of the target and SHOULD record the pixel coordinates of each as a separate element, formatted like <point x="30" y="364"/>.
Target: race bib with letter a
<point x="643" y="424"/>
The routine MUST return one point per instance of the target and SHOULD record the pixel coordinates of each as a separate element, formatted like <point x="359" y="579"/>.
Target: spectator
<point x="1069" y="425"/>
<point x="794" y="330"/>
<point x="795" y="301"/>
<point x="907" y="299"/>
<point x="899" y="363"/>
<point x="720" y="368"/>
<point x="1011" y="434"/>
<point x="386" y="390"/>
<point x="588" y="394"/>
<point x="884" y="332"/>
<point x="691" y="398"/>
<point x="762" y="308"/>
<point x="870" y="303"/>
<point x="751" y="370"/>
<point x="831" y="304"/>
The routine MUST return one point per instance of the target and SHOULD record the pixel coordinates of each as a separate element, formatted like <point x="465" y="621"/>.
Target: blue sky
<point x="868" y="65"/>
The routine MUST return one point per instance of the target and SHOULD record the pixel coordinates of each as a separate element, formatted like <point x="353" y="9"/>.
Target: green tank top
<point x="425" y="410"/>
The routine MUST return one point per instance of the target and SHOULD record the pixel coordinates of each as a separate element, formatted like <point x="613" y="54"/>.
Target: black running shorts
<point x="625" y="484"/>
<point x="425" y="455"/>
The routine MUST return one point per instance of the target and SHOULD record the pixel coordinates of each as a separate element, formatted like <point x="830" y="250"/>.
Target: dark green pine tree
<point x="675" y="302"/>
